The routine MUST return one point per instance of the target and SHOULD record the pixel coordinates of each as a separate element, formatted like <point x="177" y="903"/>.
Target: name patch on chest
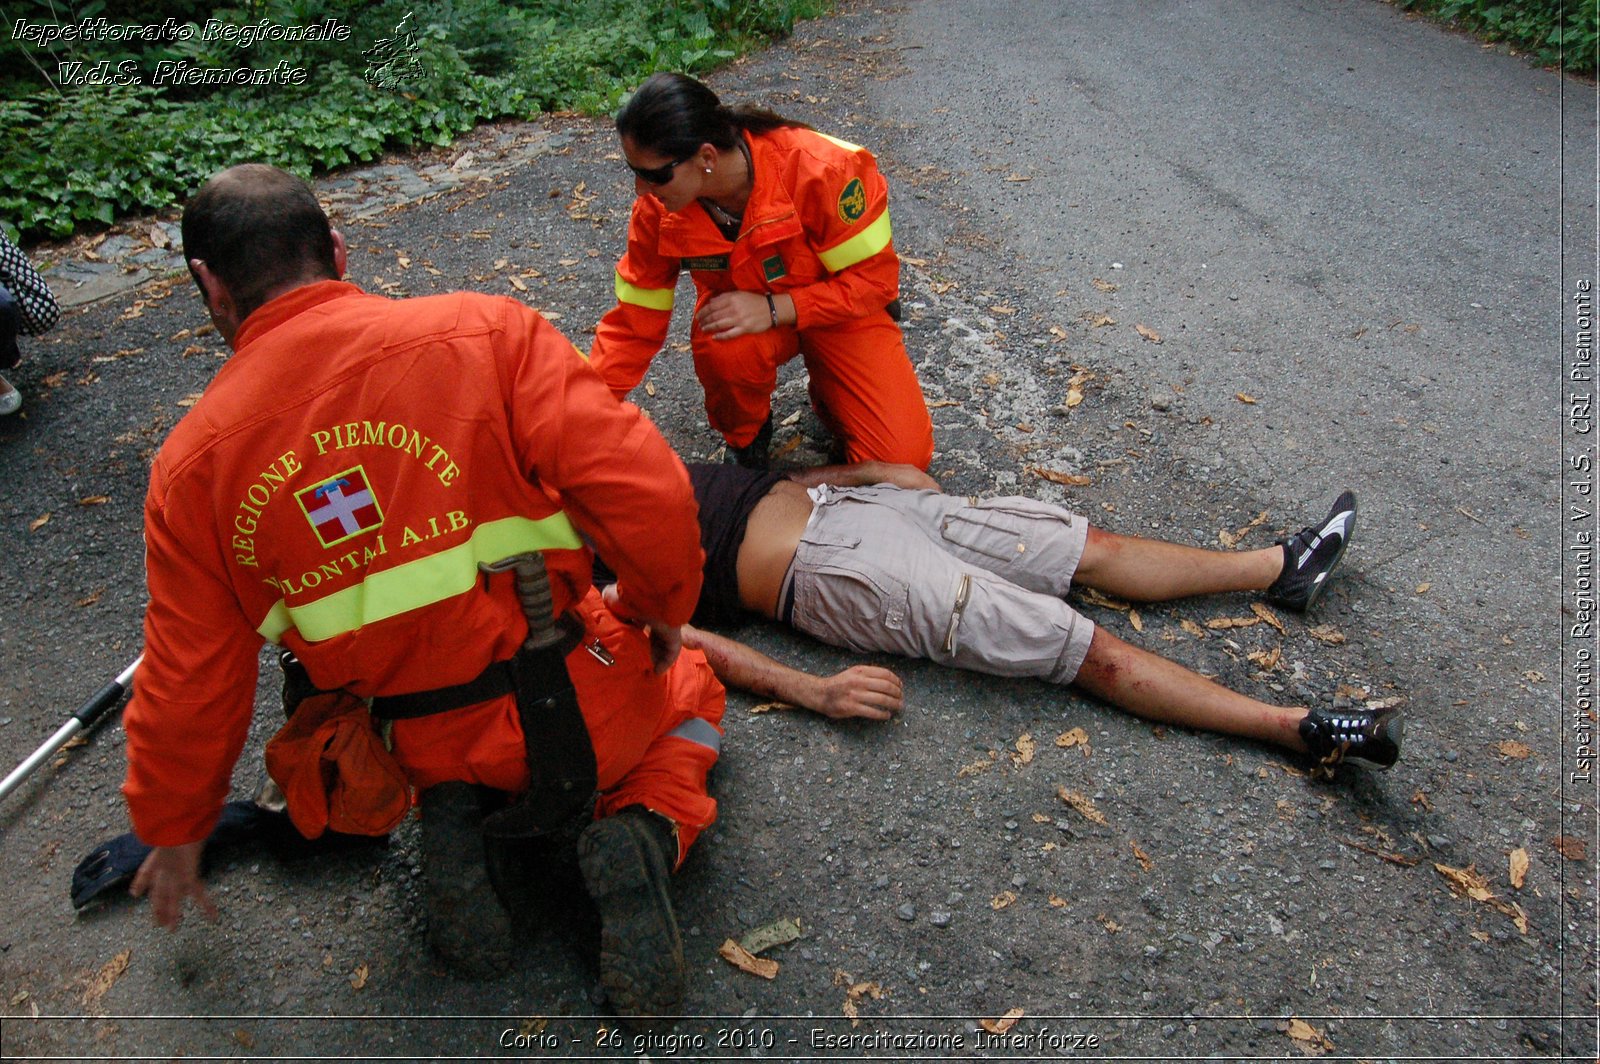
<point x="706" y="262"/>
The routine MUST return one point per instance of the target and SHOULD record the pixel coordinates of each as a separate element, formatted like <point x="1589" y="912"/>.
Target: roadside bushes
<point x="1553" y="32"/>
<point x="104" y="117"/>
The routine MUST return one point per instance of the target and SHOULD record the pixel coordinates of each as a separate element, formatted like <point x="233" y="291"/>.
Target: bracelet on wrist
<point x="772" y="309"/>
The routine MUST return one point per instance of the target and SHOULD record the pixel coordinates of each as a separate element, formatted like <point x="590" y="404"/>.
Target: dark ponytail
<point x="673" y="114"/>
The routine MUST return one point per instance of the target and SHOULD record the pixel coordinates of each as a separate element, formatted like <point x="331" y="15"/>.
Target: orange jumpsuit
<point x="334" y="491"/>
<point x="817" y="229"/>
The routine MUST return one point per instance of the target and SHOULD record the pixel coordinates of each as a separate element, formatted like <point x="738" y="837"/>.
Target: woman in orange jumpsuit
<point x="786" y="233"/>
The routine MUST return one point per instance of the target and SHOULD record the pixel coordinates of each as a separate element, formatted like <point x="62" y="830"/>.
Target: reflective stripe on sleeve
<point x="419" y="583"/>
<point x="865" y="244"/>
<point x="699" y="732"/>
<point x="649" y="298"/>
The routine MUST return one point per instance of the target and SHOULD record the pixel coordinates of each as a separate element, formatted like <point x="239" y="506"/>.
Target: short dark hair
<point x="258" y="228"/>
<point x="673" y="114"/>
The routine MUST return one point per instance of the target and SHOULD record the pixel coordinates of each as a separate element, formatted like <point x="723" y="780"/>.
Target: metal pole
<point x="90" y="712"/>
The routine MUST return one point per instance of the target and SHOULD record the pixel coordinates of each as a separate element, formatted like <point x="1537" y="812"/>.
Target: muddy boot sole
<point x="641" y="952"/>
<point x="468" y="928"/>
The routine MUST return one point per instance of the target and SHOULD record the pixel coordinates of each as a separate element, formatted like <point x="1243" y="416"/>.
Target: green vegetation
<point x="1561" y="33"/>
<point x="123" y="119"/>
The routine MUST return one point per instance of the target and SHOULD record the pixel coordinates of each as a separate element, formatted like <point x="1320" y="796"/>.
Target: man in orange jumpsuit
<point x="335" y="491"/>
<point x="786" y="234"/>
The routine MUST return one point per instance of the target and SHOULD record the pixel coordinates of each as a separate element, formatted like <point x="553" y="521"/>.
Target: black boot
<point x="626" y="861"/>
<point x="467" y="925"/>
<point x="753" y="455"/>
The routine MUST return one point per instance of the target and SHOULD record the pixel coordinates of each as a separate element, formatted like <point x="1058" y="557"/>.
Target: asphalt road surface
<point x="1278" y="249"/>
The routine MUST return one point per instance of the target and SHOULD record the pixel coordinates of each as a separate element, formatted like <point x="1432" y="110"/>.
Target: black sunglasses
<point x="659" y="175"/>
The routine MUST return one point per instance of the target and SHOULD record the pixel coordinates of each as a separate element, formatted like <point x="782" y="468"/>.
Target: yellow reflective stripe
<point x="865" y="244"/>
<point x="845" y="144"/>
<point x="418" y="583"/>
<point x="649" y="298"/>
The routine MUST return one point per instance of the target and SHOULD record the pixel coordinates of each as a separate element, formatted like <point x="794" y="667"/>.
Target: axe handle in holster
<point x="562" y="775"/>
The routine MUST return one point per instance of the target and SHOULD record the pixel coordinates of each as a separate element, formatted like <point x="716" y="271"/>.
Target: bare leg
<point x="1156" y="689"/>
<point x="1148" y="570"/>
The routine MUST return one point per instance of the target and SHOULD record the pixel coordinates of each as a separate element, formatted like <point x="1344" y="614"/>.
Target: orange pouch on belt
<point x="335" y="771"/>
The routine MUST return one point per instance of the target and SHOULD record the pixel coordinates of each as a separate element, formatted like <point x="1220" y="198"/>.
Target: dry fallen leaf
<point x="1111" y="926"/>
<point x="1144" y="858"/>
<point x="1073" y="737"/>
<point x="94" y="500"/>
<point x="1519" y="868"/>
<point x="1135" y="620"/>
<point x="768" y="707"/>
<point x="1512" y="748"/>
<point x="1057" y="902"/>
<point x="746" y="961"/>
<point x="1025" y="750"/>
<point x="856" y="992"/>
<point x="1004" y="1023"/>
<point x="1074" y="397"/>
<point x="1104" y="286"/>
<point x="649" y="388"/>
<point x="1057" y="477"/>
<point x="1148" y="333"/>
<point x="1193" y="629"/>
<point x="1248" y="400"/>
<point x="1002" y="900"/>
<point x="358" y="978"/>
<point x="1327" y="633"/>
<point x="106" y="977"/>
<point x="1266" y="660"/>
<point x="977" y="766"/>
<point x="1465" y="881"/>
<point x="1422" y="589"/>
<point x="1232" y="622"/>
<point x="517" y="283"/>
<point x="1312" y="1040"/>
<point x="39" y="522"/>
<point x="768" y="936"/>
<point x="1570" y="848"/>
<point x="1267" y="615"/>
<point x="1081" y="804"/>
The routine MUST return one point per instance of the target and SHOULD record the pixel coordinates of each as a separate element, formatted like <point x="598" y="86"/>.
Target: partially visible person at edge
<point x="334" y="492"/>
<point x="27" y="306"/>
<point x="874" y="558"/>
<point x="786" y="233"/>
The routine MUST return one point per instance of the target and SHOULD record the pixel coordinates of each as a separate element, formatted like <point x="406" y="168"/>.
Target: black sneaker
<point x="1369" y="734"/>
<point x="467" y="926"/>
<point x="1311" y="554"/>
<point x="626" y="860"/>
<point x="753" y="455"/>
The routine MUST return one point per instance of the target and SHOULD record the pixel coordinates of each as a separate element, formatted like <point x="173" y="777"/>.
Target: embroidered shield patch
<point x="341" y="507"/>
<point x="853" y="200"/>
<point x="773" y="268"/>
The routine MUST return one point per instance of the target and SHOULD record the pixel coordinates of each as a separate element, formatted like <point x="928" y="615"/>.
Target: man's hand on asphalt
<point x="168" y="875"/>
<point x="862" y="691"/>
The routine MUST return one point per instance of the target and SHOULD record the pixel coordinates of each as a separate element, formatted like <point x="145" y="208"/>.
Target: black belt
<point x="498" y="679"/>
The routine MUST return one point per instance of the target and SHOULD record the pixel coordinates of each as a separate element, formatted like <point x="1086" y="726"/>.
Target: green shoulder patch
<point x="773" y="268"/>
<point x="853" y="200"/>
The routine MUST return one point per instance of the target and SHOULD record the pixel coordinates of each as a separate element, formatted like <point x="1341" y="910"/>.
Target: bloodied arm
<point x="865" y="691"/>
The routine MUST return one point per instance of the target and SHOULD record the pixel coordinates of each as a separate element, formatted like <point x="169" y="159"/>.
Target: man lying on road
<point x="873" y="558"/>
